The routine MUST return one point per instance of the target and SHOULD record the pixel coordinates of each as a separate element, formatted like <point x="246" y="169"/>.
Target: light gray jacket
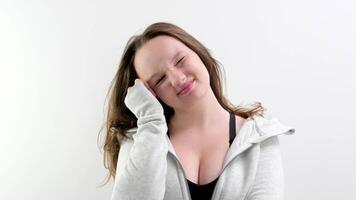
<point x="148" y="167"/>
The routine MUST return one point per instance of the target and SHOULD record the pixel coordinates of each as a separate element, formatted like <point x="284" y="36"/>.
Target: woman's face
<point x="167" y="65"/>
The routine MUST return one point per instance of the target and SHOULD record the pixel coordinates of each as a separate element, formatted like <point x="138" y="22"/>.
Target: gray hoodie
<point x="148" y="167"/>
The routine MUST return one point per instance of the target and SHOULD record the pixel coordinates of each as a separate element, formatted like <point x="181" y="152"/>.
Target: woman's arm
<point x="142" y="165"/>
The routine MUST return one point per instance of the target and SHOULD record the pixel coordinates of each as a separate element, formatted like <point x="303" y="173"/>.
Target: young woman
<point x="171" y="133"/>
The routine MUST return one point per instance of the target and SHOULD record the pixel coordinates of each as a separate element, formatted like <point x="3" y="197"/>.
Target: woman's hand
<point x="147" y="86"/>
<point x="141" y="100"/>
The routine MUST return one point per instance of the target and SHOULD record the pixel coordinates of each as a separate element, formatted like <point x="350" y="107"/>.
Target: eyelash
<point x="165" y="75"/>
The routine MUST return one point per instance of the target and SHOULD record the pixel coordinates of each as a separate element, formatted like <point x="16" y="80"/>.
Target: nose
<point x="177" y="78"/>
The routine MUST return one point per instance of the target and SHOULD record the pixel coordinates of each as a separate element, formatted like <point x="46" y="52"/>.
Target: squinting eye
<point x="165" y="75"/>
<point x="180" y="60"/>
<point x="160" y="79"/>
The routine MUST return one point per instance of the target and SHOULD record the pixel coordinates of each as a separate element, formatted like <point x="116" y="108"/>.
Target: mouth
<point x="187" y="87"/>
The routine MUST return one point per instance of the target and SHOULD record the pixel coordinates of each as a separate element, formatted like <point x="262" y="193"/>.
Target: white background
<point x="57" y="59"/>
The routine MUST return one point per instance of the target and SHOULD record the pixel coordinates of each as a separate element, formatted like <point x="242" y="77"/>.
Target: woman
<point x="171" y="134"/>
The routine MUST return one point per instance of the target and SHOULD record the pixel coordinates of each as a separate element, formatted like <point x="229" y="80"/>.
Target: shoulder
<point x="268" y="126"/>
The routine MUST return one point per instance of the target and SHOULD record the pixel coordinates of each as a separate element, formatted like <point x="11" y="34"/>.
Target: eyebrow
<point x="149" y="79"/>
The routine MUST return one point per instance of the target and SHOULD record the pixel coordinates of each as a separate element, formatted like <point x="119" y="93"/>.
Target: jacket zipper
<point x="248" y="146"/>
<point x="186" y="182"/>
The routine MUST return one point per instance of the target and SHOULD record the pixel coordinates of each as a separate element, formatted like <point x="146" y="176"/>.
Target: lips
<point x="185" y="86"/>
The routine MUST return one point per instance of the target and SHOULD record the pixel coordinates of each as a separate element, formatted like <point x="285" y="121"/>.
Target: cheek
<point x="161" y="92"/>
<point x="196" y="67"/>
<point x="166" y="93"/>
<point x="166" y="98"/>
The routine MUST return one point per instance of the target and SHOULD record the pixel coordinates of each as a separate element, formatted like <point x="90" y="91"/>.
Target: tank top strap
<point x="232" y="128"/>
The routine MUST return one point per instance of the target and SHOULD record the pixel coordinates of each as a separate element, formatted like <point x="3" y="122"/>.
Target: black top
<point x="206" y="191"/>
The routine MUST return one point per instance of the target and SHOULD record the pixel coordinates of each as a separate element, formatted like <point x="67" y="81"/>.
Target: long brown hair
<point x="120" y="118"/>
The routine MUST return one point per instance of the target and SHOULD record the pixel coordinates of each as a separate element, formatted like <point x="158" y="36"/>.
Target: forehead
<point x="155" y="55"/>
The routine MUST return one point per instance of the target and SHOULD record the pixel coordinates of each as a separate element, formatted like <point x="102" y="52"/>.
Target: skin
<point x="199" y="109"/>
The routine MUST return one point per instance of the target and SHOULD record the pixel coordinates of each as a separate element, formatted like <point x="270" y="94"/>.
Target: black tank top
<point x="206" y="191"/>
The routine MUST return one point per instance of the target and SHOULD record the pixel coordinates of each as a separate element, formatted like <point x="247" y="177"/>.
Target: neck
<point x="201" y="115"/>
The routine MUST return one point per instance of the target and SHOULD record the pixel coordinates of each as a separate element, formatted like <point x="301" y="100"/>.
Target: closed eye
<point x="160" y="79"/>
<point x="165" y="75"/>
<point x="180" y="60"/>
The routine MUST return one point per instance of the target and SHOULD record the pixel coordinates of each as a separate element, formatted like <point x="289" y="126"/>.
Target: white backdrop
<point x="58" y="58"/>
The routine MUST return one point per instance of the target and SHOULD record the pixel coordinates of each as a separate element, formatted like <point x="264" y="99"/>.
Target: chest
<point x="202" y="156"/>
